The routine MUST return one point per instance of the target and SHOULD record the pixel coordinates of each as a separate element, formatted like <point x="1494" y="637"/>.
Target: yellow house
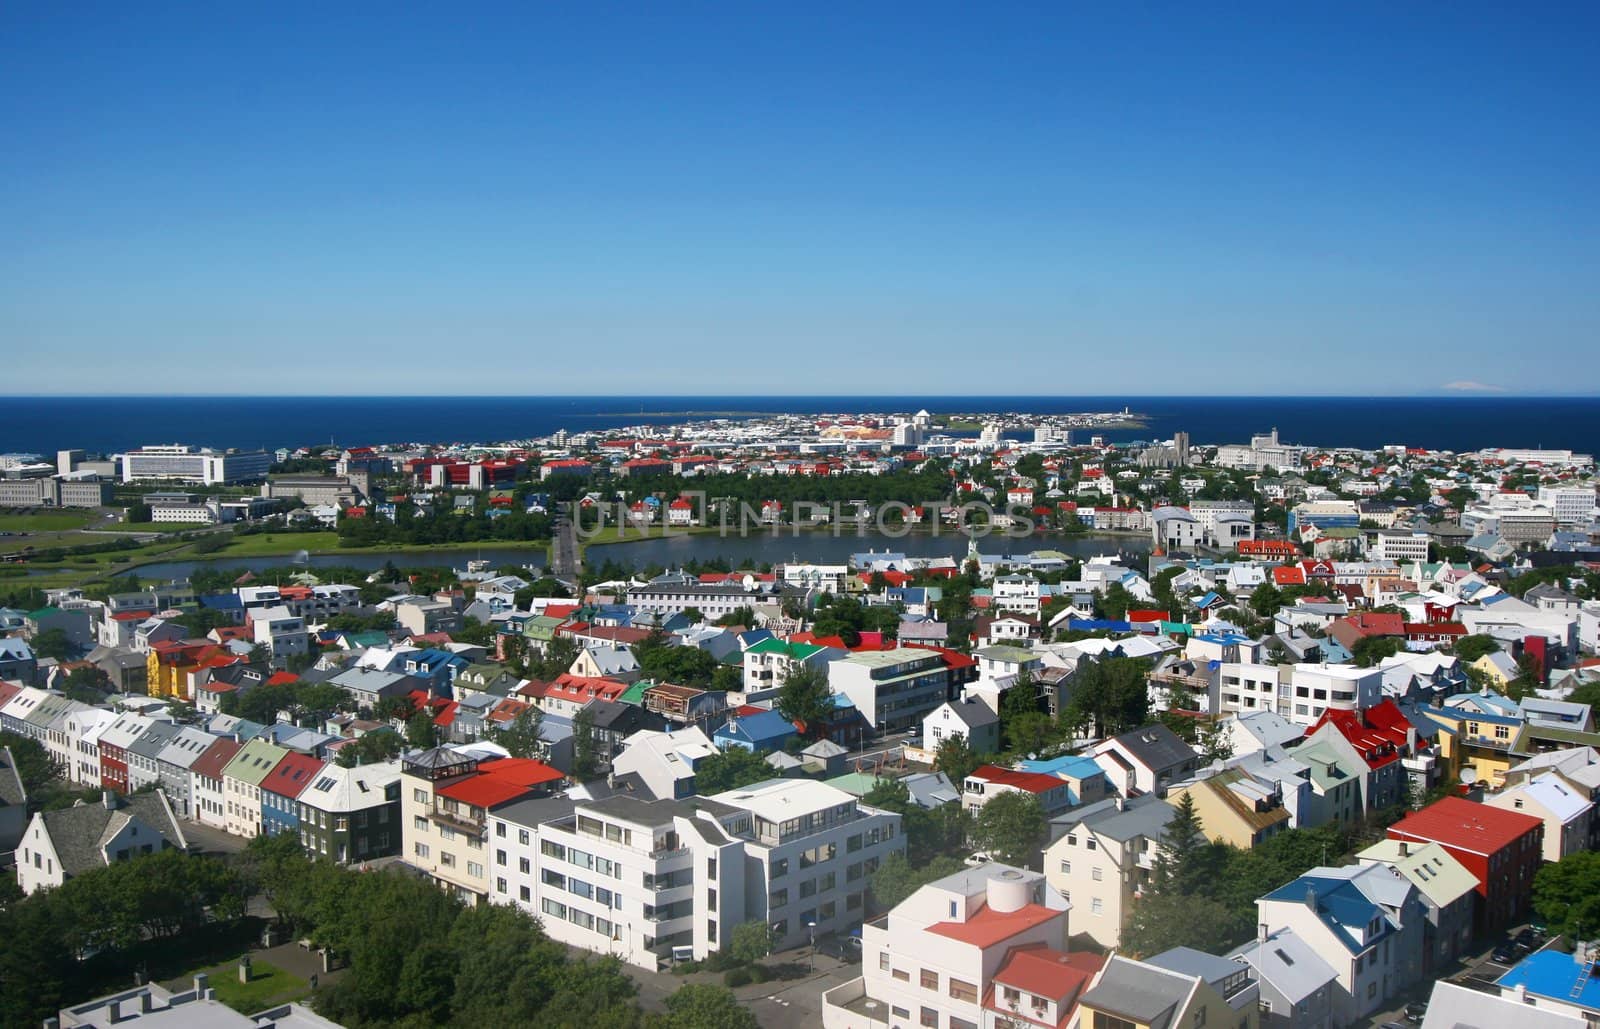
<point x="1475" y="746"/>
<point x="1234" y="808"/>
<point x="1498" y="668"/>
<point x="1181" y="987"/>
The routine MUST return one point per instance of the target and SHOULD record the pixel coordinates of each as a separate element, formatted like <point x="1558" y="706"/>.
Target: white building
<point x="1399" y="546"/>
<point x="1573" y="505"/>
<point x="179" y="462"/>
<point x="638" y="878"/>
<point x="1298" y="693"/>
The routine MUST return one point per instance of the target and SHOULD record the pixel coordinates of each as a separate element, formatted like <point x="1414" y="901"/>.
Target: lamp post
<point x="812" y="926"/>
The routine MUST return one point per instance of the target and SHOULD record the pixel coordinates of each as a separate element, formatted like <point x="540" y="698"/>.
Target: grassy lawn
<point x="269" y="986"/>
<point x="279" y="543"/>
<point x="49" y="521"/>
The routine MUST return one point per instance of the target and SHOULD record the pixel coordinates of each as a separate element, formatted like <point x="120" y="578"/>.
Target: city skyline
<point x="701" y="200"/>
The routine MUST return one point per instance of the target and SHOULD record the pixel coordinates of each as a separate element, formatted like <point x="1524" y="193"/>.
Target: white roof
<point x="778" y="800"/>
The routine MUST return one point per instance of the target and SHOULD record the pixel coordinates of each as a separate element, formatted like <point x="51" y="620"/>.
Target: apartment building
<point x="768" y="663"/>
<point x="1104" y="856"/>
<point x="178" y="462"/>
<point x="981" y="945"/>
<point x="893" y="689"/>
<point x="447" y="796"/>
<point x="1300" y="693"/>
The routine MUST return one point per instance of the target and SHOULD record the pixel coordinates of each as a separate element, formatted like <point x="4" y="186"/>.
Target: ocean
<point x="107" y="425"/>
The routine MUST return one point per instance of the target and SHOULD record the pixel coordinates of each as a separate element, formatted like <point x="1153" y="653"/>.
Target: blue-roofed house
<point x="1086" y="780"/>
<point x="1365" y="921"/>
<point x="766" y="730"/>
<point x="436" y="669"/>
<point x="228" y="604"/>
<point x="1557" y="981"/>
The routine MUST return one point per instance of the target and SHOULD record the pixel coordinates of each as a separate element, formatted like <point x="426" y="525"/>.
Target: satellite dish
<point x="1468" y="777"/>
<point x="749" y="583"/>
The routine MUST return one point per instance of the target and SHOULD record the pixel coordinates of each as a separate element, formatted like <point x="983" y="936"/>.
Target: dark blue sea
<point x="109" y="424"/>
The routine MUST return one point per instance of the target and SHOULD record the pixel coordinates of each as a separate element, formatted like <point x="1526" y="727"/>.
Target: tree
<point x="896" y="878"/>
<point x="1265" y="600"/>
<point x="1566" y="894"/>
<point x="32" y="762"/>
<point x="1011" y="828"/>
<point x="955" y="759"/>
<point x="585" y="763"/>
<point x="1116" y="600"/>
<point x="370" y="747"/>
<point x="705" y="1006"/>
<point x="804" y="698"/>
<point x="87" y="685"/>
<point x="730" y="769"/>
<point x="1370" y="650"/>
<point x="522" y="738"/>
<point x="1469" y="648"/>
<point x="752" y="941"/>
<point x="421" y="733"/>
<point x="1176" y="860"/>
<point x="53" y="643"/>
<point x="1160" y="922"/>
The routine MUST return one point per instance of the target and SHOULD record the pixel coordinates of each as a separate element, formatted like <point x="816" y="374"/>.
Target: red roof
<point x="986" y="927"/>
<point x="131" y="616"/>
<point x="1459" y="823"/>
<point x="281" y="678"/>
<point x="1378" y="746"/>
<point x="1147" y="616"/>
<point x="292" y="774"/>
<point x="1030" y="782"/>
<point x="1047" y="972"/>
<point x="585" y="688"/>
<point x="1288" y="577"/>
<point x="501" y="780"/>
<point x="216" y="757"/>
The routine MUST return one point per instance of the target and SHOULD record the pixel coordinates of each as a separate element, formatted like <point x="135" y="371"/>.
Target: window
<point x="930" y="1017"/>
<point x="1096" y="906"/>
<point x="901" y="974"/>
<point x="499" y="886"/>
<point x="1095" y="874"/>
<point x="421" y="850"/>
<point x="524" y="894"/>
<point x="500" y="829"/>
<point x="711" y="905"/>
<point x="711" y="929"/>
<point x="883" y="961"/>
<point x="1105" y="1021"/>
<point x="447" y="859"/>
<point x="1372" y="990"/>
<point x="930" y="979"/>
<point x="500" y="857"/>
<point x="420" y="796"/>
<point x="1066" y="868"/>
<point x="962" y="990"/>
<point x="780" y="868"/>
<point x="1089" y="843"/>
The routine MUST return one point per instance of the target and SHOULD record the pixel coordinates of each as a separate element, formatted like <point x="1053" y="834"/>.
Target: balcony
<point x="848" y="1007"/>
<point x="460" y="823"/>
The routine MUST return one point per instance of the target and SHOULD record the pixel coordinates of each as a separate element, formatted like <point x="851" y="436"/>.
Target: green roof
<point x="36" y="615"/>
<point x="254" y="762"/>
<point x="634" y="694"/>
<point x="857" y="784"/>
<point x="1002" y="652"/>
<point x="793" y="651"/>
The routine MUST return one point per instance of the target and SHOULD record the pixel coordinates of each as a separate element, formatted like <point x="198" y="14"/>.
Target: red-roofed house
<point x="446" y="797"/>
<point x="989" y="781"/>
<point x="961" y="949"/>
<point x="1379" y="741"/>
<point x="1288" y="575"/>
<point x="1352" y="629"/>
<point x="1502" y="850"/>
<point x="207" y="803"/>
<point x="570" y="693"/>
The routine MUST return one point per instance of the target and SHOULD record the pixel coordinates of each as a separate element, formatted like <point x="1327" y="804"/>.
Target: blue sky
<point x="743" y="198"/>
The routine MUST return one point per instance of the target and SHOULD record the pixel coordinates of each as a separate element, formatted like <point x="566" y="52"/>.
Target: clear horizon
<point x="697" y="199"/>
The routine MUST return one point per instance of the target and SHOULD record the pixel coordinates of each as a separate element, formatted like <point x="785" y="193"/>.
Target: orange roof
<point x="987" y="927"/>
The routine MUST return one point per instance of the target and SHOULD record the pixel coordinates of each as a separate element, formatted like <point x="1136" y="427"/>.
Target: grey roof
<point x="1139" y="992"/>
<point x="535" y="811"/>
<point x="154" y="739"/>
<point x="1287" y="963"/>
<point x="76" y="832"/>
<point x="185" y="747"/>
<point x="1458" y="1007"/>
<point x="12" y="792"/>
<point x="1145" y="816"/>
<point x="1191" y="962"/>
<point x="973" y="713"/>
<point x="1156" y="746"/>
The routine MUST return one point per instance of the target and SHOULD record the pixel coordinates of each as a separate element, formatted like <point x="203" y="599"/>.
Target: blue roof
<point x="1210" y="598"/>
<point x="1550" y="973"/>
<point x="1228" y="638"/>
<point x="1075" y="765"/>
<point x="1340" y="904"/>
<point x="761" y="728"/>
<point x="222" y="602"/>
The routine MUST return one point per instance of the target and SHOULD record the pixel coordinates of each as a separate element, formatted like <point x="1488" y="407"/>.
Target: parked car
<point x="1416" y="1011"/>
<point x="845" y="948"/>
<point x="1505" y="954"/>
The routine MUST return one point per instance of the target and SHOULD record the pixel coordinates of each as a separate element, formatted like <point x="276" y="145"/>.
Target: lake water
<point x="820" y="548"/>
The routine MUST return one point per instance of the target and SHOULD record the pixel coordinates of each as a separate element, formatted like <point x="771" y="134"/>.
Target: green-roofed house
<point x="486" y="677"/>
<point x="769" y="662"/>
<point x="241" y="785"/>
<point x="540" y="631"/>
<point x="633" y="696"/>
<point x="1335" y="785"/>
<point x="76" y="624"/>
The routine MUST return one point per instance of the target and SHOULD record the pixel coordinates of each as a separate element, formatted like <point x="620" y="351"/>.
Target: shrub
<point x="738" y="977"/>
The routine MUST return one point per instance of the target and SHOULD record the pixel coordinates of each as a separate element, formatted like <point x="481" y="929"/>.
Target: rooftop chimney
<point x="201" y="981"/>
<point x="1405" y="848"/>
<point x="109" y="799"/>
